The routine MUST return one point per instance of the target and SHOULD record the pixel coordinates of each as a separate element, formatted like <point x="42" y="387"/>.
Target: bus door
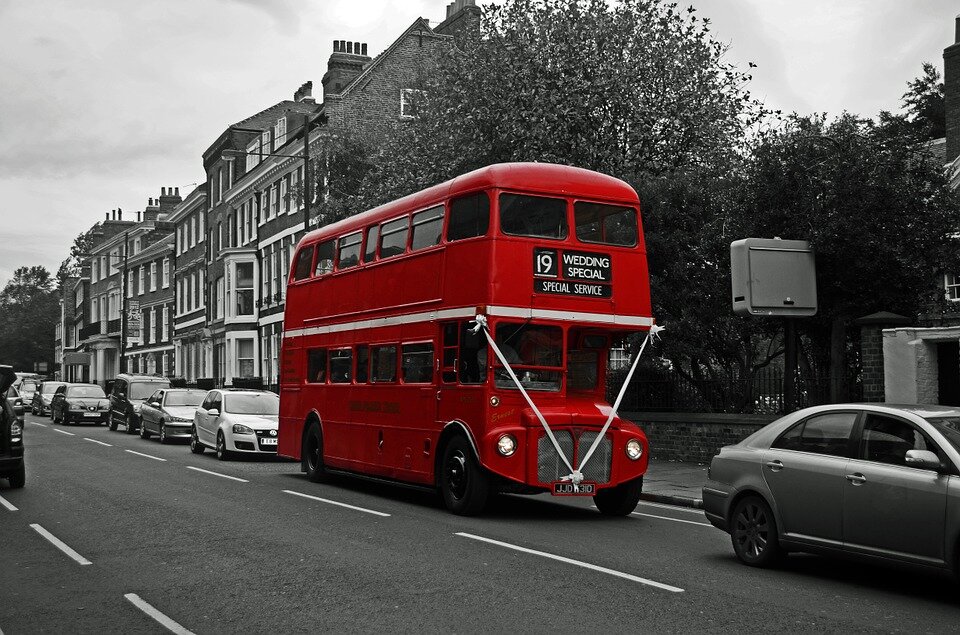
<point x="463" y="373"/>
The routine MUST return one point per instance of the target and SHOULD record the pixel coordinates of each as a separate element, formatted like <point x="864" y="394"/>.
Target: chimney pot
<point x="176" y="191"/>
<point x="350" y="47"/>
<point x="119" y="214"/>
<point x="163" y="191"/>
<point x="957" y="38"/>
<point x="138" y="217"/>
<point x="356" y="48"/>
<point x="343" y="46"/>
<point x="108" y="216"/>
<point x="363" y="48"/>
<point x="336" y="46"/>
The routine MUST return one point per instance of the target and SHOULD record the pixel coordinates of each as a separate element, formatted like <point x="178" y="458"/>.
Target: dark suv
<point x="11" y="435"/>
<point x="126" y="398"/>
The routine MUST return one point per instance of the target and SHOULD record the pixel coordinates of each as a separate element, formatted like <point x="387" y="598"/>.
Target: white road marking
<point x="149" y="456"/>
<point x="37" y="423"/>
<point x="676" y="520"/>
<point x="95" y="441"/>
<point x="585" y="565"/>
<point x="10" y="507"/>
<point x="326" y="500"/>
<point x="676" y="508"/>
<point x="165" y="621"/>
<point x="64" y="432"/>
<point x="59" y="544"/>
<point x="232" y="478"/>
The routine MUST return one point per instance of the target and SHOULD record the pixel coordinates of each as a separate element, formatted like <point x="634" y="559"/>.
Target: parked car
<point x="80" y="402"/>
<point x="22" y="376"/>
<point x="869" y="480"/>
<point x="169" y="413"/>
<point x="40" y="404"/>
<point x="12" y="465"/>
<point x="28" y="388"/>
<point x="13" y="397"/>
<point x="233" y="420"/>
<point x="126" y="398"/>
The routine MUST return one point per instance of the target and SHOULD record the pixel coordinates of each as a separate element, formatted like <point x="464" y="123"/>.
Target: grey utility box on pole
<point x="773" y="277"/>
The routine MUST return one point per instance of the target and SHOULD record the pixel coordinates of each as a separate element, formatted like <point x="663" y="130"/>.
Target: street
<point x="152" y="535"/>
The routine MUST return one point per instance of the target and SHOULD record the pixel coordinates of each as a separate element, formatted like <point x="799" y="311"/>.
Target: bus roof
<point x="548" y="178"/>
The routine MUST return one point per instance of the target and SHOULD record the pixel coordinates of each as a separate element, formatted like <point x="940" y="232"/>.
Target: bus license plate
<point x="566" y="488"/>
<point x="268" y="441"/>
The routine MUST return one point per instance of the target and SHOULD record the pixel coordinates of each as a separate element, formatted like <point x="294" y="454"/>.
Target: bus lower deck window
<point x="341" y="366"/>
<point x="417" y="363"/>
<point x="384" y="362"/>
<point x="317" y="365"/>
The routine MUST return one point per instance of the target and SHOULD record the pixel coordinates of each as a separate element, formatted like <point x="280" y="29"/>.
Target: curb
<point x="670" y="499"/>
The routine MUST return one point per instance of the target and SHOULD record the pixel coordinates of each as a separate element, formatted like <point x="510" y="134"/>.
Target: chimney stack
<point x="305" y="92"/>
<point x="347" y="61"/>
<point x="108" y="216"/>
<point x="119" y="214"/>
<point x="138" y="217"/>
<point x="951" y="93"/>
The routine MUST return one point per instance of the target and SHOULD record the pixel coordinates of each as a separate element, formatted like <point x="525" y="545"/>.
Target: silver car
<point x="871" y="480"/>
<point x="234" y="421"/>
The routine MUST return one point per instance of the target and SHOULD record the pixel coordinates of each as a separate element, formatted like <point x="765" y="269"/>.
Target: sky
<point x="103" y="102"/>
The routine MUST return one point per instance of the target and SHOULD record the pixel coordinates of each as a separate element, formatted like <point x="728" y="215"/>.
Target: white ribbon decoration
<point x="576" y="475"/>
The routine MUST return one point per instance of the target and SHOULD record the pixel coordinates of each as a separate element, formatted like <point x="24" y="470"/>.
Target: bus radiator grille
<point x="549" y="465"/>
<point x="597" y="468"/>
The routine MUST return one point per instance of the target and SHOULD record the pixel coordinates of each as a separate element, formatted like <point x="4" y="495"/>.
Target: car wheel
<point x="130" y="429"/>
<point x="19" y="478"/>
<point x="619" y="500"/>
<point x="312" y="454"/>
<point x="111" y="422"/>
<point x="753" y="532"/>
<point x="195" y="446"/>
<point x="163" y="433"/>
<point x="463" y="483"/>
<point x="222" y="453"/>
<point x="143" y="431"/>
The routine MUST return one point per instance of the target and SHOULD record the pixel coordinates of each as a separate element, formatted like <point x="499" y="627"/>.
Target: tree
<point x="28" y="317"/>
<point x="925" y="105"/>
<point x="78" y="250"/>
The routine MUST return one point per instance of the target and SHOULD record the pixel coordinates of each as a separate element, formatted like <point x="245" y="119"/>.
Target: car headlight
<point x="136" y="407"/>
<point x="104" y="406"/>
<point x="16" y="431"/>
<point x="634" y="449"/>
<point x="506" y="445"/>
<point x="18" y="402"/>
<point x="241" y="429"/>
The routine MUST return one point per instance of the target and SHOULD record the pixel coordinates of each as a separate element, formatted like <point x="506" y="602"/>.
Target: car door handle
<point x="776" y="466"/>
<point x="856" y="479"/>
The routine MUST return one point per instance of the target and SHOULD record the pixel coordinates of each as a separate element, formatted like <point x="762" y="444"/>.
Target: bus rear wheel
<point x="619" y="500"/>
<point x="464" y="485"/>
<point x="311" y="457"/>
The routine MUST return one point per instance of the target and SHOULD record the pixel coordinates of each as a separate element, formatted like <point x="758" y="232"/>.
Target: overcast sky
<point x="103" y="102"/>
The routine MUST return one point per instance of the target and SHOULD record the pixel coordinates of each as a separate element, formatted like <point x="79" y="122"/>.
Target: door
<point x="805" y="473"/>
<point x="890" y="509"/>
<point x="203" y="419"/>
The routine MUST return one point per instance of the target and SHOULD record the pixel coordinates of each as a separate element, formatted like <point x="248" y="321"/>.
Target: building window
<point x="140" y="286"/>
<point x="219" y="184"/>
<point x="244" y="288"/>
<point x="245" y="358"/>
<point x="130" y="284"/>
<point x="220" y="294"/>
<point x="284" y="194"/>
<point x="410" y="102"/>
<point x="281" y="131"/>
<point x="951" y="287"/>
<point x="166" y="273"/>
<point x="201" y="299"/>
<point x="136" y="246"/>
<point x="165" y="324"/>
<point x="199" y="232"/>
<point x="153" y="275"/>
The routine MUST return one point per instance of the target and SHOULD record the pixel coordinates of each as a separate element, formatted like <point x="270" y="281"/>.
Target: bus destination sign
<point x="578" y="273"/>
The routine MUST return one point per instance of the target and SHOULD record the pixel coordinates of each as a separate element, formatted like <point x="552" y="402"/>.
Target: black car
<point x="11" y="435"/>
<point x="79" y="402"/>
<point x="127" y="397"/>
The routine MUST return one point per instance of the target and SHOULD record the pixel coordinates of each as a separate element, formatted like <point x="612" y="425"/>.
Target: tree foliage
<point x="78" y="250"/>
<point x="28" y="317"/>
<point x="925" y="105"/>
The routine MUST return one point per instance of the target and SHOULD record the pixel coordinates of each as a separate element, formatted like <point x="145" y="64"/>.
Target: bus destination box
<point x="773" y="277"/>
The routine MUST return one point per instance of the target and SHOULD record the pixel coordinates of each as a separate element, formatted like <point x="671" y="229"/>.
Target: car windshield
<point x="49" y="389"/>
<point x="28" y="386"/>
<point x="252" y="404"/>
<point x="142" y="390"/>
<point x="92" y="392"/>
<point x="535" y="352"/>
<point x="184" y="398"/>
<point x="948" y="427"/>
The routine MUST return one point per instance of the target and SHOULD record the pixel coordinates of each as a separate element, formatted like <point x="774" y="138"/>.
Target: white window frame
<point x="166" y="273"/>
<point x="407" y="103"/>
<point x="153" y="276"/>
<point x="951" y="287"/>
<point x="140" y="285"/>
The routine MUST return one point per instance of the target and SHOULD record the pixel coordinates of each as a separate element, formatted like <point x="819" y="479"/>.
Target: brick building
<point x="191" y="354"/>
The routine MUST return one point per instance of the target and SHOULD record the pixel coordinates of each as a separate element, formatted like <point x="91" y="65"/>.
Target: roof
<point x="546" y="178"/>
<point x="885" y="318"/>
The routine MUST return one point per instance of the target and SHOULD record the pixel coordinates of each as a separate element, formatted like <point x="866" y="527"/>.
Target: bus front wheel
<point x="312" y="453"/>
<point x="619" y="500"/>
<point x="463" y="483"/>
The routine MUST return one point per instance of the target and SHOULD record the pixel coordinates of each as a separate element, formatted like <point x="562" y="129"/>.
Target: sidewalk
<point x="674" y="483"/>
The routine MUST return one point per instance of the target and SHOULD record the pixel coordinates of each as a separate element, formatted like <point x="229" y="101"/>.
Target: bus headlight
<point x="506" y="445"/>
<point x="634" y="449"/>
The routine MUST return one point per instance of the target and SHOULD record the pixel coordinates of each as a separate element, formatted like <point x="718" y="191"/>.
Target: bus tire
<point x="619" y="500"/>
<point x="311" y="453"/>
<point x="464" y="485"/>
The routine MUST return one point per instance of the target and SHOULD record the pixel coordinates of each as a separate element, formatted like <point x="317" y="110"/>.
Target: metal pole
<point x="123" y="303"/>
<point x="790" y="365"/>
<point x="307" y="180"/>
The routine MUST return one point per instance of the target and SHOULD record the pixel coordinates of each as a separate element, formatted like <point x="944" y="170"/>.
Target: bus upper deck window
<point x="393" y="237"/>
<point x="370" y="249"/>
<point x="537" y="216"/>
<point x="324" y="258"/>
<point x="304" y="262"/>
<point x="605" y="224"/>
<point x="348" y="254"/>
<point x="469" y="216"/>
<point x="427" y="226"/>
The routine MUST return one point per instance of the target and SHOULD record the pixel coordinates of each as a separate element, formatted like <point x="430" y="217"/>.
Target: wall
<point x="694" y="437"/>
<point x="871" y="356"/>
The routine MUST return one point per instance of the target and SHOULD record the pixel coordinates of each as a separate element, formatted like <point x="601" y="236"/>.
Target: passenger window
<point x="427" y="227"/>
<point x="348" y="255"/>
<point x="370" y="250"/>
<point x="605" y="224"/>
<point x="533" y="216"/>
<point x="207" y="401"/>
<point x="324" y="258"/>
<point x="417" y="367"/>
<point x="316" y="365"/>
<point x="341" y="366"/>
<point x="393" y="238"/>
<point x="822" y="434"/>
<point x="886" y="440"/>
<point x="469" y="216"/>
<point x="304" y="261"/>
<point x="384" y="360"/>
<point x="363" y="363"/>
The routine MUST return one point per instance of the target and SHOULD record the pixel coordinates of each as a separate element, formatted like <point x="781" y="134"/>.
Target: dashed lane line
<point x="10" y="507"/>
<point x="149" y="456"/>
<point x="338" y="503"/>
<point x="59" y="544"/>
<point x="162" y="619"/>
<point x="579" y="563"/>
<point x="37" y="423"/>
<point x="676" y="520"/>
<point x="95" y="441"/>
<point x="64" y="432"/>
<point x="232" y="478"/>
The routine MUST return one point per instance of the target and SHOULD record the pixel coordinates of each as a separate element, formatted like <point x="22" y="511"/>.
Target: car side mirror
<point x="923" y="459"/>
<point x="155" y="404"/>
<point x="213" y="412"/>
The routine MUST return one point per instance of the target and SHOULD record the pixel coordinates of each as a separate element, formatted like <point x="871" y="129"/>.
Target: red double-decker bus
<point x="385" y="370"/>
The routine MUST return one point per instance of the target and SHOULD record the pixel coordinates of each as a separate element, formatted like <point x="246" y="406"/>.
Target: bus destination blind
<point x="578" y="273"/>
